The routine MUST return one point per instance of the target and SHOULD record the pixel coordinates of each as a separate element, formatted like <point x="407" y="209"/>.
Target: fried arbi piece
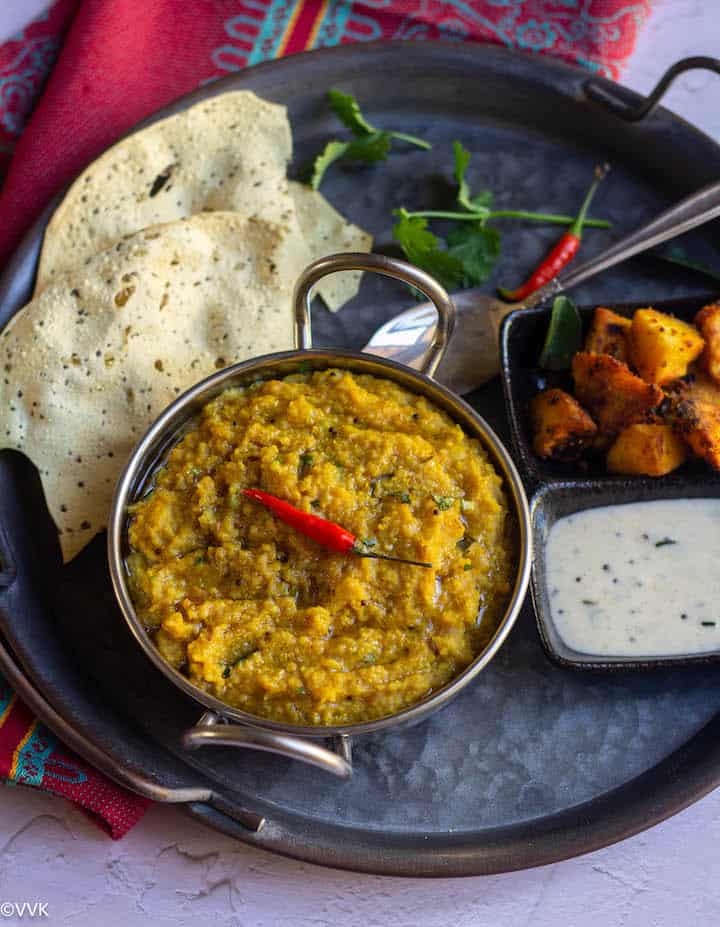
<point x="609" y="334"/>
<point x="696" y="385"/>
<point x="646" y="450"/>
<point x="662" y="347"/>
<point x="562" y="429"/>
<point x="698" y="422"/>
<point x="611" y="392"/>
<point x="708" y="323"/>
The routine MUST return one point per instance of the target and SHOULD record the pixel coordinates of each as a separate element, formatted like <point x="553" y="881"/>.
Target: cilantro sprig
<point x="367" y="149"/>
<point x="469" y="254"/>
<point x="470" y="251"/>
<point x="347" y="109"/>
<point x="425" y="250"/>
<point x="369" y="143"/>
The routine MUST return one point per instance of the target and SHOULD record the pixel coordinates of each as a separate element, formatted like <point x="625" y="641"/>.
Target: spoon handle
<point x="694" y="210"/>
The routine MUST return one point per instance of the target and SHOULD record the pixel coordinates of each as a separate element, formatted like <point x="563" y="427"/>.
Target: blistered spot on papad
<point x="85" y="373"/>
<point x="326" y="231"/>
<point x="228" y="153"/>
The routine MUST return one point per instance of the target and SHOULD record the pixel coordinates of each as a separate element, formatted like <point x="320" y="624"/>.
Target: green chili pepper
<point x="564" y="335"/>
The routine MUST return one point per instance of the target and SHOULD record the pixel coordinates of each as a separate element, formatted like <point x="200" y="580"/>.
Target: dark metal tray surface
<point x="535" y="762"/>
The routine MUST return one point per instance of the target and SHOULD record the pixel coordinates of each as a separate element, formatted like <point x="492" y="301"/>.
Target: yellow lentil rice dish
<point x="268" y="621"/>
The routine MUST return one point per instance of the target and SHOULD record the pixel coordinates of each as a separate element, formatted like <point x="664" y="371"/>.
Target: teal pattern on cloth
<point x="584" y="31"/>
<point x="277" y="16"/>
<point x="32" y="756"/>
<point x="37" y="759"/>
<point x="334" y="24"/>
<point x="21" y="79"/>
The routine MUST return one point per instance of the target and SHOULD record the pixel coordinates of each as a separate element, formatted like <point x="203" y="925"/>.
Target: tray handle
<point x="130" y="779"/>
<point x="622" y="103"/>
<point x="388" y="267"/>
<point x="209" y="732"/>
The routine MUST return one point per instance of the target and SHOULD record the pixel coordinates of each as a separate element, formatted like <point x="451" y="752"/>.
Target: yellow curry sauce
<point x="270" y="622"/>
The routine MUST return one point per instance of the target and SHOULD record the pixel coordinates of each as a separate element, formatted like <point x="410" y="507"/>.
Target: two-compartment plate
<point x="556" y="490"/>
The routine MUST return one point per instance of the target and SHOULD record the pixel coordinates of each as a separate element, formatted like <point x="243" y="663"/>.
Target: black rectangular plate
<point x="558" y="489"/>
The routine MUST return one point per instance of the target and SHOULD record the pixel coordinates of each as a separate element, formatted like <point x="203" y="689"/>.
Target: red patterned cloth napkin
<point x="120" y="60"/>
<point x="31" y="755"/>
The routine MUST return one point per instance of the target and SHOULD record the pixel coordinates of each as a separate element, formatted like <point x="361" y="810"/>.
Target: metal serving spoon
<point x="472" y="357"/>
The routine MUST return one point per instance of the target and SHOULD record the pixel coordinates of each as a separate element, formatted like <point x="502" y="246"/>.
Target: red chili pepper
<point x="563" y="252"/>
<point x="325" y="532"/>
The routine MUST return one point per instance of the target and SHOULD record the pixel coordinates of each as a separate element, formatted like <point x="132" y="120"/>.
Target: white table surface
<point x="173" y="871"/>
<point x="16" y="14"/>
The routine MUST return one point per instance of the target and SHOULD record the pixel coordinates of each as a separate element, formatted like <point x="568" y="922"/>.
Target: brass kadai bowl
<point x="222" y="724"/>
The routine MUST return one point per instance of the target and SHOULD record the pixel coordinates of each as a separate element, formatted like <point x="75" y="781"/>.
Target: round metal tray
<point x="534" y="763"/>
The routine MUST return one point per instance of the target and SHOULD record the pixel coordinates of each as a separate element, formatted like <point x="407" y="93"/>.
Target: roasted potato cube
<point x="698" y="421"/>
<point x="611" y="392"/>
<point x="562" y="429"/>
<point x="609" y="334"/>
<point x="708" y="323"/>
<point x="646" y="450"/>
<point x="661" y="346"/>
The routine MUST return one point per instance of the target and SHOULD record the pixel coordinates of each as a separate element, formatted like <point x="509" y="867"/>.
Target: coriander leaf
<point x="369" y="148"/>
<point x="411" y="140"/>
<point x="423" y="249"/>
<point x="332" y="152"/>
<point x="564" y="335"/>
<point x="370" y="144"/>
<point x="477" y="247"/>
<point x="347" y="110"/>
<point x="241" y="659"/>
<point x="480" y="203"/>
<point x="483" y="200"/>
<point x="306" y="463"/>
<point x="462" y="159"/>
<point x="400" y="494"/>
<point x="443" y="502"/>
